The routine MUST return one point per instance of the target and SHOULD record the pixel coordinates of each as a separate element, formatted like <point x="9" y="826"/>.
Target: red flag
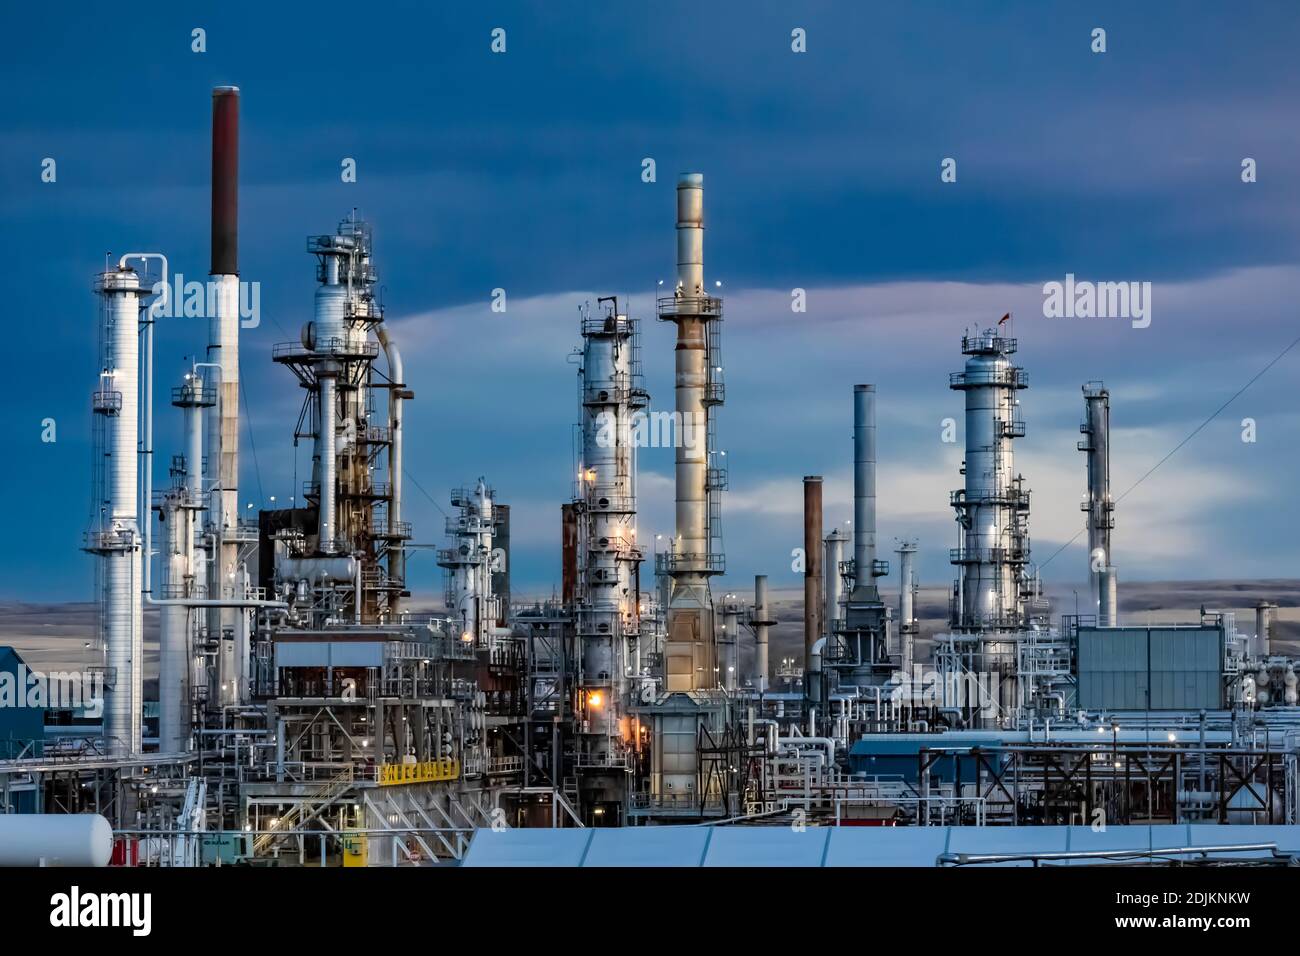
<point x="1004" y="318"/>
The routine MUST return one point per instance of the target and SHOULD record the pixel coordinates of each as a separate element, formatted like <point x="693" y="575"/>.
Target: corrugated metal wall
<point x="1150" y="668"/>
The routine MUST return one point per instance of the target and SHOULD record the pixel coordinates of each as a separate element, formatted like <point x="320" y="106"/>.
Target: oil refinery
<point x="306" y="714"/>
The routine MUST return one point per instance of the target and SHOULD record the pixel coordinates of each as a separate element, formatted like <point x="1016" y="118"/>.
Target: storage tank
<point x="39" y="839"/>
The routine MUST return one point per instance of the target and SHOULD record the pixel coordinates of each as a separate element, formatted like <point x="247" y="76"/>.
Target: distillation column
<point x="116" y="537"/>
<point x="1099" y="505"/>
<point x="992" y="507"/>
<point x="181" y="566"/>
<point x="690" y="656"/>
<point x="992" y="513"/>
<point x="608" y="609"/>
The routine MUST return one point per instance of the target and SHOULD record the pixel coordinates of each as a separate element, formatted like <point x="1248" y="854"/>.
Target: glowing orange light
<point x="595" y="699"/>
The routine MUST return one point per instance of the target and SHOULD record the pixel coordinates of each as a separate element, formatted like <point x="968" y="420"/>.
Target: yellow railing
<point x="392" y="774"/>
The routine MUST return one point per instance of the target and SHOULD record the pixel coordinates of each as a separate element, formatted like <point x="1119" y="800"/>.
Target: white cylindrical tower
<point x="116" y="537"/>
<point x="182" y="571"/>
<point x="1264" y="628"/>
<point x="469" y="562"/>
<point x="834" y="610"/>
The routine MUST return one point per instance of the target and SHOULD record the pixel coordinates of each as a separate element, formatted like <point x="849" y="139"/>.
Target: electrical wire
<point x="1195" y="431"/>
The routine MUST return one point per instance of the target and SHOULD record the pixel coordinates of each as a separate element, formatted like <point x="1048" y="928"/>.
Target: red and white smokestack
<point x="227" y="575"/>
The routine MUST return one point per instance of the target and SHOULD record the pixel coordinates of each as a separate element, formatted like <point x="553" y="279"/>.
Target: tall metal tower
<point x="993" y="507"/>
<point x="608" y="615"/>
<point x="351" y="556"/>
<point x="696" y="552"/>
<point x="115" y="533"/>
<point x="1098" y="505"/>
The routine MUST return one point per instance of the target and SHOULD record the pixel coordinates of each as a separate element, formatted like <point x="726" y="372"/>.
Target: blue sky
<point x="522" y="171"/>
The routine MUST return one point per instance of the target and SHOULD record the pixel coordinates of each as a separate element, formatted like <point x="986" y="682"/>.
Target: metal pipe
<point x="907" y="627"/>
<point x="325" y="417"/>
<point x="812" y="574"/>
<point x="864" y="485"/>
<point x="397" y="393"/>
<point x="760" y="624"/>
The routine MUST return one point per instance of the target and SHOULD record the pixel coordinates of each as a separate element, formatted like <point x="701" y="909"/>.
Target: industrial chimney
<point x="223" y="417"/>
<point x="695" y="555"/>
<point x="812" y="574"/>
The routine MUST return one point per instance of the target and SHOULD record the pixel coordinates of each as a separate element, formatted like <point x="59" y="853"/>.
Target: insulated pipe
<point x="325" y="418"/>
<point x="812" y="574"/>
<point x="396" y="395"/>
<point x="761" y="622"/>
<point x="864" y="485"/>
